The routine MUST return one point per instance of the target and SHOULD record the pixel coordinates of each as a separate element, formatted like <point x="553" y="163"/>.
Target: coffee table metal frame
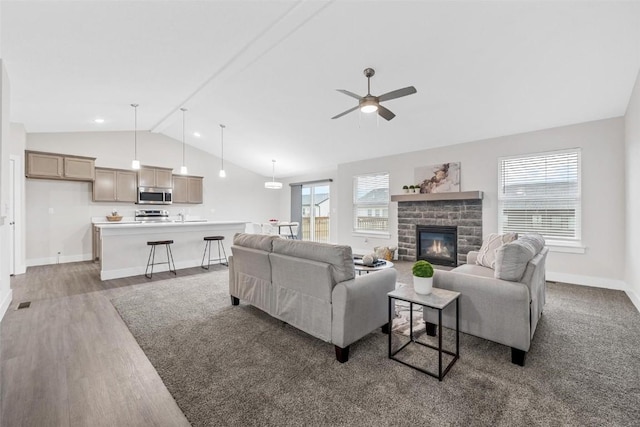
<point x="439" y="299"/>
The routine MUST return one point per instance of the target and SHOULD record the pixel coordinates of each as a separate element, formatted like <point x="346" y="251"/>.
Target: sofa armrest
<point x="360" y="305"/>
<point x="472" y="257"/>
<point x="490" y="308"/>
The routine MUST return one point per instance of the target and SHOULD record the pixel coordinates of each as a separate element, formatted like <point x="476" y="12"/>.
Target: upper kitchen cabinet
<point x="187" y="189"/>
<point x="59" y="166"/>
<point x="149" y="176"/>
<point x="115" y="185"/>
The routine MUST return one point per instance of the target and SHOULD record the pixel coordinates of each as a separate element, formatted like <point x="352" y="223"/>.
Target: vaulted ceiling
<point x="268" y="70"/>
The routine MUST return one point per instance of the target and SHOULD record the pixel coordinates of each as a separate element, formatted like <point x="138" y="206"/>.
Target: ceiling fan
<point x="370" y="103"/>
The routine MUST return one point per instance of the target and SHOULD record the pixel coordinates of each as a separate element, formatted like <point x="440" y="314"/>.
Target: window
<point x="541" y="193"/>
<point x="371" y="203"/>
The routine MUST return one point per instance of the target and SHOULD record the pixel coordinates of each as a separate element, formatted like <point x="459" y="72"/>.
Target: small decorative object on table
<point x="369" y="260"/>
<point x="422" y="277"/>
<point x="114" y="216"/>
<point x="273" y="221"/>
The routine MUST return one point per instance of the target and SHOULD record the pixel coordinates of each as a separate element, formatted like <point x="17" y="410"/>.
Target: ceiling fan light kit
<point x="370" y="103"/>
<point x="273" y="184"/>
<point x="368" y="106"/>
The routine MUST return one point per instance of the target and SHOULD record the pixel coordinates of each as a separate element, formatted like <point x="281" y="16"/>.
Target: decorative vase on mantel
<point x="422" y="277"/>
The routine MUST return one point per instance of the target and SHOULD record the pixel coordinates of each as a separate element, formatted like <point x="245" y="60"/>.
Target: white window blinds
<point x="371" y="203"/>
<point x="541" y="193"/>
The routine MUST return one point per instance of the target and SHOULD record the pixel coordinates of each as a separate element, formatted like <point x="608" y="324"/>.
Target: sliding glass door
<point x="315" y="212"/>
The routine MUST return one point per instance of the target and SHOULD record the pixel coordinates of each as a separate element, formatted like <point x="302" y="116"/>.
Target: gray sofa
<point x="499" y="310"/>
<point x="311" y="286"/>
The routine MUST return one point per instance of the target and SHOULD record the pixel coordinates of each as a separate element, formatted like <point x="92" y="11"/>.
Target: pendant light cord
<point x="135" y="131"/>
<point x="222" y="147"/>
<point x="183" y="138"/>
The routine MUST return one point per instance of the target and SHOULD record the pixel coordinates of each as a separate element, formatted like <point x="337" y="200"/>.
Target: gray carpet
<point x="229" y="365"/>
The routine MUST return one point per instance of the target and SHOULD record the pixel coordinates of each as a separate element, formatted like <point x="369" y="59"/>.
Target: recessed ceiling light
<point x="98" y="120"/>
<point x="196" y="134"/>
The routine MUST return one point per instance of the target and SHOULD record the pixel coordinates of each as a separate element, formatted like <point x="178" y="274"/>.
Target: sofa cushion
<point x="487" y="254"/>
<point x="262" y="242"/>
<point x="339" y="256"/>
<point x="474" y="270"/>
<point x="512" y="258"/>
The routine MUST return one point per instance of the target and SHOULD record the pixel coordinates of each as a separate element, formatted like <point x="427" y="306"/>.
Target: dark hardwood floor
<point x="69" y="360"/>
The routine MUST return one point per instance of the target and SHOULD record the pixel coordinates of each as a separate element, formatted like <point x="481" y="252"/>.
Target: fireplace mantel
<point x="428" y="197"/>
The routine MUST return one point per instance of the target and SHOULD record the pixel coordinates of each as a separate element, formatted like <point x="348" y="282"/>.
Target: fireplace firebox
<point x="437" y="244"/>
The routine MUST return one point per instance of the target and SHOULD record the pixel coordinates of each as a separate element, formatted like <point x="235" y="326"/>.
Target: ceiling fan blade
<point x="385" y="113"/>
<point x="347" y="112"/>
<point x="351" y="94"/>
<point x="397" y="93"/>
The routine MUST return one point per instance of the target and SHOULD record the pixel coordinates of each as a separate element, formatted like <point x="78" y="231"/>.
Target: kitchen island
<point x="124" y="249"/>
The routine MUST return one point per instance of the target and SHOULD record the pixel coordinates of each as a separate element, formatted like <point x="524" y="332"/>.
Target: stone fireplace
<point x="461" y="212"/>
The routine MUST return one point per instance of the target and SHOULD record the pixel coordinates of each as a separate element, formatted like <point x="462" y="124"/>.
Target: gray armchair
<point x="499" y="310"/>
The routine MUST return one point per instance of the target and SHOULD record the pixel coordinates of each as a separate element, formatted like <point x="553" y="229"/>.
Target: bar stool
<point x="207" y="245"/>
<point x="152" y="257"/>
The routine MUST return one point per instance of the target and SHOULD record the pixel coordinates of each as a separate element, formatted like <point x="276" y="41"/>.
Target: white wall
<point x="632" y="168"/>
<point x="603" y="192"/>
<point x="240" y="196"/>
<point x="5" y="284"/>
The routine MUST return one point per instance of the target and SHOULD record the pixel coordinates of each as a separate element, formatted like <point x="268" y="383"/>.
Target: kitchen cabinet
<point x="115" y="185"/>
<point x="59" y="166"/>
<point x="187" y="189"/>
<point x="150" y="176"/>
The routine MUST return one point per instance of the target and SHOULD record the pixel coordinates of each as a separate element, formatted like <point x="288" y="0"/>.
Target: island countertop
<point x="124" y="249"/>
<point x="125" y="225"/>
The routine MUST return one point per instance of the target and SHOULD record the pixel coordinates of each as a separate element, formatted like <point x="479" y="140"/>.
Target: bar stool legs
<point x="207" y="246"/>
<point x="152" y="257"/>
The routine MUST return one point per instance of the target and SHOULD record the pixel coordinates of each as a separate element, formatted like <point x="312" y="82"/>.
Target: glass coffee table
<point x="377" y="266"/>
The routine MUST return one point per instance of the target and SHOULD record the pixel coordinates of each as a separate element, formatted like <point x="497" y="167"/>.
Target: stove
<point x="152" y="215"/>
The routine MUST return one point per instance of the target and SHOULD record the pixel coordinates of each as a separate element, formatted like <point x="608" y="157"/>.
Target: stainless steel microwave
<point x="154" y="196"/>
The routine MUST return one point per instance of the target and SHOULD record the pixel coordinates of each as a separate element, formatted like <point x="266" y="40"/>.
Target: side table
<point x="438" y="299"/>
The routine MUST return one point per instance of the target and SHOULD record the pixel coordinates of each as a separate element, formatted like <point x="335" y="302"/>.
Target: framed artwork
<point x="440" y="178"/>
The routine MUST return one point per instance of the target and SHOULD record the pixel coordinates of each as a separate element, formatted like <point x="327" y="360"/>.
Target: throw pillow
<point x="512" y="259"/>
<point x="487" y="253"/>
<point x="535" y="239"/>
<point x="385" y="252"/>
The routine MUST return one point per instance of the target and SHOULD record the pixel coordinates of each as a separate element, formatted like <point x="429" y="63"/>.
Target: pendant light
<point x="222" y="174"/>
<point x="135" y="163"/>
<point x="273" y="184"/>
<point x="183" y="168"/>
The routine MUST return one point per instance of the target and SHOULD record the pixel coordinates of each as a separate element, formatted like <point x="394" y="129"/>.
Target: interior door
<point x="12" y="216"/>
<point x="315" y="212"/>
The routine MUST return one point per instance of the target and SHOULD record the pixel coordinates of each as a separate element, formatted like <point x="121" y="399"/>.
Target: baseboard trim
<point x="6" y="302"/>
<point x="58" y="260"/>
<point x="634" y="298"/>
<point x="596" y="282"/>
